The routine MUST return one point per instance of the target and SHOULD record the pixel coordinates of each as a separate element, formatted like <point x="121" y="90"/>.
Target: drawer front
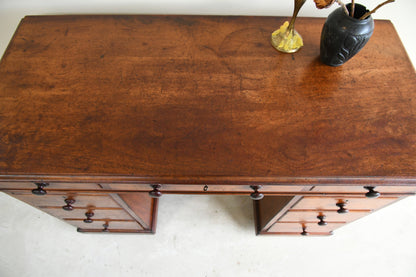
<point x="330" y="216"/>
<point x="112" y="224"/>
<point x="51" y="186"/>
<point x="55" y="199"/>
<point x="206" y="188"/>
<point x="115" y="213"/>
<point x="361" y="189"/>
<point x="329" y="203"/>
<point x="297" y="228"/>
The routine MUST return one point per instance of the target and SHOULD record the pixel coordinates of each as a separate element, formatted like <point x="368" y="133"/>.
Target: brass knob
<point x="256" y="195"/>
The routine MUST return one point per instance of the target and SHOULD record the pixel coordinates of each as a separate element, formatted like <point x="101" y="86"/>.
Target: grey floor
<point x="206" y="236"/>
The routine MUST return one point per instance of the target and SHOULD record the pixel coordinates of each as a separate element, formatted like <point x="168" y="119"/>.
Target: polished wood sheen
<point x="115" y="111"/>
<point x="198" y="96"/>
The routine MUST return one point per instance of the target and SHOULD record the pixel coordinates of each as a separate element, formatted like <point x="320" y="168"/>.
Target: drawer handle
<point x="371" y="192"/>
<point x="321" y="220"/>
<point x="342" y="209"/>
<point x="155" y="193"/>
<point x="40" y="190"/>
<point x="89" y="214"/>
<point x="256" y="195"/>
<point x="304" y="233"/>
<point x="105" y="225"/>
<point x="69" y="202"/>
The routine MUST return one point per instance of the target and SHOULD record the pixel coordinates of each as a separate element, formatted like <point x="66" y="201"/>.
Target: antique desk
<point x="102" y="115"/>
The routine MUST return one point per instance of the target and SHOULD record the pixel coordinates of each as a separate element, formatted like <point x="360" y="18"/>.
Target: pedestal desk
<point x="102" y="115"/>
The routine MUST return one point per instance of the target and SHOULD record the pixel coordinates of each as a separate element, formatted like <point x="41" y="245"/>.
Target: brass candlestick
<point x="286" y="39"/>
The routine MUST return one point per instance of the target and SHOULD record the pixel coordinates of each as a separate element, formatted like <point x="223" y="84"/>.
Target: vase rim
<point x="353" y="19"/>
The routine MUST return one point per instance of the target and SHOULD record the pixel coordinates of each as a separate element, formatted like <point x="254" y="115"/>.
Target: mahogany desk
<point x="97" y="112"/>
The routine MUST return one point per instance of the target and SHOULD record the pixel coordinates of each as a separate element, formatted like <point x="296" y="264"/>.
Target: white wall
<point x="204" y="236"/>
<point x="401" y="13"/>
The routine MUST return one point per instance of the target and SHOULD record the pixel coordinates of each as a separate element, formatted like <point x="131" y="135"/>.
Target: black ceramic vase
<point x="344" y="36"/>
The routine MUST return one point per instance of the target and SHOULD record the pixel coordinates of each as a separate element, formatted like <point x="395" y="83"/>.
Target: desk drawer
<point x="297" y="228"/>
<point x="330" y="216"/>
<point x="111" y="224"/>
<point x="361" y="189"/>
<point x="80" y="213"/>
<point x="50" y="186"/>
<point x="352" y="203"/>
<point x="57" y="199"/>
<point x="198" y="188"/>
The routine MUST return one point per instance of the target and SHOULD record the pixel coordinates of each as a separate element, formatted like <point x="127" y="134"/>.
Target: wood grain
<point x="142" y="206"/>
<point x="199" y="97"/>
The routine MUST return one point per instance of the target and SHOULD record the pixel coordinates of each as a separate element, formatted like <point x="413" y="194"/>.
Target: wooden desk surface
<point x="201" y="99"/>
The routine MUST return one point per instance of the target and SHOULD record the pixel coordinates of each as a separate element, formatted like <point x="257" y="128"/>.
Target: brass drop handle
<point x="40" y="189"/>
<point x="371" y="192"/>
<point x="321" y="220"/>
<point x="256" y="195"/>
<point x="69" y="202"/>
<point x="155" y="193"/>
<point x="89" y="214"/>
<point x="304" y="233"/>
<point x="342" y="209"/>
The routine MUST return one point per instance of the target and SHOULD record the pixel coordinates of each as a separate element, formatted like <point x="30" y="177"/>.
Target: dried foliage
<point x="321" y="4"/>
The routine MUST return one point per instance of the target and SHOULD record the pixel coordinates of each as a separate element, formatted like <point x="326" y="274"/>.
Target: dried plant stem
<point x="343" y="6"/>
<point x="375" y="9"/>
<point x="352" y="8"/>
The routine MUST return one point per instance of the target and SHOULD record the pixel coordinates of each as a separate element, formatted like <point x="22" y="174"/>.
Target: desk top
<point x="201" y="99"/>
